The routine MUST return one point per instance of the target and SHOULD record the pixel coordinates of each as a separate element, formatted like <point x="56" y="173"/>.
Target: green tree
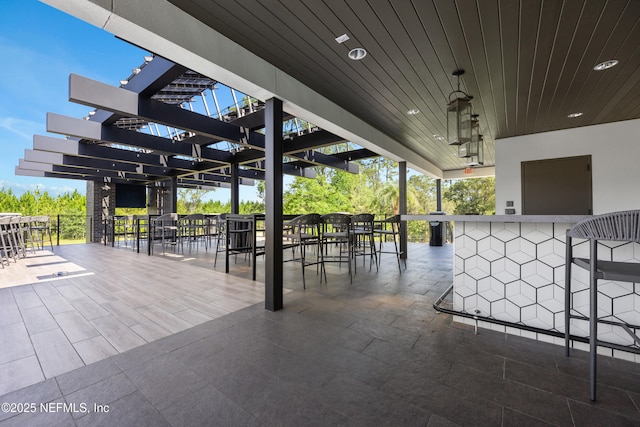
<point x="8" y="201"/>
<point x="190" y="200"/>
<point x="474" y="195"/>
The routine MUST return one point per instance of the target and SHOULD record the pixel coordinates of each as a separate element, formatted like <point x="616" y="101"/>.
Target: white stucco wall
<point x="615" y="153"/>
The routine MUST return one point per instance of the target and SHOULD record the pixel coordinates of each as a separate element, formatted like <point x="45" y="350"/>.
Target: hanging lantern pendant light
<point x="463" y="126"/>
<point x="459" y="115"/>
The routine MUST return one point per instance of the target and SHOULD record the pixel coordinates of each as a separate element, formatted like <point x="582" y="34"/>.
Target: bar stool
<point x="621" y="226"/>
<point x="40" y="228"/>
<point x="194" y="228"/>
<point x="6" y="241"/>
<point x="16" y="234"/>
<point x="303" y="231"/>
<point x="25" y="231"/>
<point x="363" y="239"/>
<point x="220" y="236"/>
<point x="335" y="231"/>
<point x="384" y="229"/>
<point x="169" y="232"/>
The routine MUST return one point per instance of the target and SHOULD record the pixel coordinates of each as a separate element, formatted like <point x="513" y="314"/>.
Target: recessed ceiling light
<point x="357" y="54"/>
<point x="343" y="38"/>
<point x="413" y="112"/>
<point x="574" y="115"/>
<point x="438" y="137"/>
<point x="606" y="65"/>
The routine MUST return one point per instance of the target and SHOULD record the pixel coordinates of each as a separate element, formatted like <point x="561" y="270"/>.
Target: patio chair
<point x="301" y="232"/>
<point x="384" y="229"/>
<point x="25" y="232"/>
<point x="242" y="238"/>
<point x="617" y="226"/>
<point x="335" y="231"/>
<point x="40" y="228"/>
<point x="220" y="236"/>
<point x="194" y="228"/>
<point x="363" y="240"/>
<point x="124" y="228"/>
<point x="17" y="235"/>
<point x="6" y="241"/>
<point x="166" y="228"/>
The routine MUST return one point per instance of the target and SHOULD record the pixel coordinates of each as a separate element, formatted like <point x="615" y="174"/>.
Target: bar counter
<point x="511" y="268"/>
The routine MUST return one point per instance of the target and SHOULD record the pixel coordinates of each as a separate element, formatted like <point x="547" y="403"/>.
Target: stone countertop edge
<point x="561" y="219"/>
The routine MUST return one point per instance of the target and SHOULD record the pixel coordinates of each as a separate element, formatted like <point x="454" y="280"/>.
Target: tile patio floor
<point x="369" y="353"/>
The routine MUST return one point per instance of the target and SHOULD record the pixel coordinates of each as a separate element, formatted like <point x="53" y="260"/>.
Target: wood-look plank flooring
<point x="83" y="303"/>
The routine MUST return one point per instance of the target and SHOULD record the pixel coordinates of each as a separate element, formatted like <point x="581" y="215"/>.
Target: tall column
<point x="173" y="195"/>
<point x="235" y="189"/>
<point x="273" y="205"/>
<point x="153" y="207"/>
<point x="439" y="195"/>
<point x="402" y="189"/>
<point x="100" y="205"/>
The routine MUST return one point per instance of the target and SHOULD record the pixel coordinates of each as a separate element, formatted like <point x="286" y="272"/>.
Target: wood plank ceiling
<point x="529" y="63"/>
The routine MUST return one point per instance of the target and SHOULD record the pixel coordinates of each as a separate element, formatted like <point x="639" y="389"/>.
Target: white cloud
<point x="23" y="128"/>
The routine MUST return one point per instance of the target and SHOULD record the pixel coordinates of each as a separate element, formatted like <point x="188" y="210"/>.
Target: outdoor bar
<point x="467" y="330"/>
<point x="509" y="275"/>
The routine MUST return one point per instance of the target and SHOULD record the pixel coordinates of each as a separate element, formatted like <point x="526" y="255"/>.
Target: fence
<point x="67" y="228"/>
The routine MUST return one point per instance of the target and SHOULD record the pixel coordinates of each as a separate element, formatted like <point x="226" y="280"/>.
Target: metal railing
<point x="70" y="228"/>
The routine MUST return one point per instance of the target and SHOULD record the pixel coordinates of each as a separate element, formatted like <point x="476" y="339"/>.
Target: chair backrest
<point x="362" y="222"/>
<point x="304" y="220"/>
<point x="308" y="224"/>
<point x="364" y="217"/>
<point x="166" y="219"/>
<point x="191" y="217"/>
<point x="620" y="226"/>
<point x="392" y="220"/>
<point x="336" y="221"/>
<point x="42" y="218"/>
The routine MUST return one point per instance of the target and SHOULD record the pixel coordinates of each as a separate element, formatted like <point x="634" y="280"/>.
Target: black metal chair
<point x="221" y="236"/>
<point x="302" y="232"/>
<point x="384" y="229"/>
<point x="336" y="233"/>
<point x="621" y="226"/>
<point x="194" y="228"/>
<point x="166" y="228"/>
<point x="363" y="242"/>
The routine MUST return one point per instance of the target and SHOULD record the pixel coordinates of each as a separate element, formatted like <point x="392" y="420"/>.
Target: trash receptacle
<point x="437" y="231"/>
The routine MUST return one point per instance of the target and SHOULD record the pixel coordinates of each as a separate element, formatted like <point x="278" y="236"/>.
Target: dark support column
<point x="100" y="206"/>
<point x="273" y="204"/>
<point x="402" y="190"/>
<point x="438" y="195"/>
<point x="235" y="189"/>
<point x="174" y="194"/>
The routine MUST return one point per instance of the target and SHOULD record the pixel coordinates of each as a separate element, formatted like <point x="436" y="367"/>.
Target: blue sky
<point x="40" y="47"/>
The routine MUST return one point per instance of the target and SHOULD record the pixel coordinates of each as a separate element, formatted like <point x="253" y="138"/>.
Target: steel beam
<point x="76" y="148"/>
<point x="362" y="153"/>
<point x="122" y="101"/>
<point x="301" y="147"/>
<point x="92" y="131"/>
<point x="316" y="139"/>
